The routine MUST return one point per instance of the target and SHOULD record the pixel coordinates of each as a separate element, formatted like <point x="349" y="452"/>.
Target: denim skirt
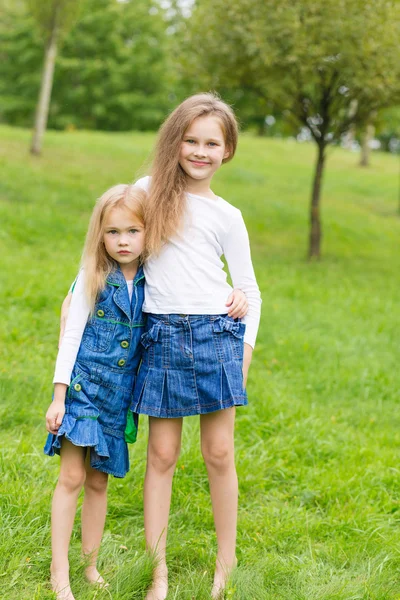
<point x="96" y="407"/>
<point x="191" y="364"/>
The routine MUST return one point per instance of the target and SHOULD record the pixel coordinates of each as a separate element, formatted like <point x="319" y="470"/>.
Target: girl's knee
<point x="219" y="455"/>
<point x="72" y="478"/>
<point x="162" y="457"/>
<point x="72" y="467"/>
<point x="96" y="481"/>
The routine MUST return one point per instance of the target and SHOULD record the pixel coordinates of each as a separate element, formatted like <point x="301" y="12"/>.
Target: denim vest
<point x="103" y="377"/>
<point x="110" y="348"/>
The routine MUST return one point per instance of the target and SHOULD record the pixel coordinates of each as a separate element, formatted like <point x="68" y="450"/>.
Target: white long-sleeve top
<point x="187" y="276"/>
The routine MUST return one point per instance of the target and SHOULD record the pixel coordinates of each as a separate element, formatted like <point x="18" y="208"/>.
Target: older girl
<point x="195" y="357"/>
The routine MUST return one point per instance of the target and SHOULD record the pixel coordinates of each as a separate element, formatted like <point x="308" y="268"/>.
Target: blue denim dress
<point x="191" y="364"/>
<point x="103" y="378"/>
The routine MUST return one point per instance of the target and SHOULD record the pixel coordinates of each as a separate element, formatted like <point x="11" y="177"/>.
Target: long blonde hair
<point x="166" y="197"/>
<point x="97" y="264"/>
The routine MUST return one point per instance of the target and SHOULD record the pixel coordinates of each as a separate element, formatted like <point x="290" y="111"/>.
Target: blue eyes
<point x="113" y="231"/>
<point x="189" y="141"/>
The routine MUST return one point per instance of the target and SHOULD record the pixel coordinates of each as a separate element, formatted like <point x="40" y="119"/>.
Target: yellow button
<point x="100" y="313"/>
<point x="121" y="362"/>
<point x="125" y="344"/>
<point x="77" y="387"/>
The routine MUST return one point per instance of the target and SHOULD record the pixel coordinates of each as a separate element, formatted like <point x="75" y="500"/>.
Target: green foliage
<point x="112" y="71"/>
<point x="54" y="14"/>
<point x="21" y="58"/>
<point x="317" y="448"/>
<point x="325" y="63"/>
<point x="388" y="128"/>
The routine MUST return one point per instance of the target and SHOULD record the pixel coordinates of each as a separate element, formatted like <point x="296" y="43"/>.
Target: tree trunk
<point x="261" y="128"/>
<point x="367" y="136"/>
<point x="399" y="186"/>
<point x="349" y="138"/>
<point x="314" y="250"/>
<point x="42" y="109"/>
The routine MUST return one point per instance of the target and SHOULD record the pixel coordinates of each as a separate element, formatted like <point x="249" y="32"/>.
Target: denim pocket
<point x="228" y="337"/>
<point x="149" y="337"/>
<point x="81" y="396"/>
<point x="99" y="330"/>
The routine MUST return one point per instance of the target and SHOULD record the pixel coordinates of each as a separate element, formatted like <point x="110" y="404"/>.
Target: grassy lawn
<point x="318" y="446"/>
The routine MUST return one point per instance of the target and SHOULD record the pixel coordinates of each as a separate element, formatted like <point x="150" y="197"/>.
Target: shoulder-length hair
<point x="97" y="264"/>
<point x="166" y="198"/>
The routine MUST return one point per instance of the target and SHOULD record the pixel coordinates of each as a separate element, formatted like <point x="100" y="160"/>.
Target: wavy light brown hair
<point x="96" y="263"/>
<point x="166" y="200"/>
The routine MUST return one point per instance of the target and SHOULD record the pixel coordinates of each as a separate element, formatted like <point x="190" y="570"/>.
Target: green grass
<point x="318" y="446"/>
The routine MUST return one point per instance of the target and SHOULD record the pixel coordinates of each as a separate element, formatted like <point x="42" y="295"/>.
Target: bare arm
<point x="247" y="355"/>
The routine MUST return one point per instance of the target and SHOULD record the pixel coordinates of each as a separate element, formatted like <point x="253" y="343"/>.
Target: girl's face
<point x="123" y="237"/>
<point x="203" y="148"/>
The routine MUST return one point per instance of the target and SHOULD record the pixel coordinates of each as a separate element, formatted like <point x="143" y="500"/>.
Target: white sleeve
<point x="143" y="183"/>
<point x="75" y="326"/>
<point x="236" y="249"/>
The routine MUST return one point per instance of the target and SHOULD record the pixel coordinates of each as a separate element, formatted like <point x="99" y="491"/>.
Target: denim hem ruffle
<point x="88" y="433"/>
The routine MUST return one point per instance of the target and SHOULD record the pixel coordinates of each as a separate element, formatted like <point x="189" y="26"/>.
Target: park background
<point x="318" y="446"/>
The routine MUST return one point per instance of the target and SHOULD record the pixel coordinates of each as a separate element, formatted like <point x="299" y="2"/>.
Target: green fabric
<point x="121" y="323"/>
<point x="71" y="289"/>
<point x="130" y="429"/>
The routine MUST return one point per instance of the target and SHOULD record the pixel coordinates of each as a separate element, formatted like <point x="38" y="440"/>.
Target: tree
<point x="116" y="70"/>
<point x="20" y="53"/>
<point x="388" y="129"/>
<point x="367" y="135"/>
<point x="325" y="64"/>
<point x="112" y="73"/>
<point x="54" y="17"/>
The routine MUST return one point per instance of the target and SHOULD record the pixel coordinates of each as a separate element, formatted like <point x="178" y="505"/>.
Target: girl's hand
<point x="56" y="410"/>
<point x="64" y="315"/>
<point x="238" y="305"/>
<point x="54" y="416"/>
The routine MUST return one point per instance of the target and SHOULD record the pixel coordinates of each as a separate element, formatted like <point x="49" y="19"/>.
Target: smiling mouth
<point x="199" y="163"/>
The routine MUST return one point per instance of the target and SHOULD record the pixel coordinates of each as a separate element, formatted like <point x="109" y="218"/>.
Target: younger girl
<point x="94" y="377"/>
<point x="194" y="352"/>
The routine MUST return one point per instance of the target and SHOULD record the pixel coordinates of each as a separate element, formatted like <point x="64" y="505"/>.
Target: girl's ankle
<point x="62" y="569"/>
<point x="226" y="565"/>
<point x="160" y="569"/>
<point x="90" y="568"/>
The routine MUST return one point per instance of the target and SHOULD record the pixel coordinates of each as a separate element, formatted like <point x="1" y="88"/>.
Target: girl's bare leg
<point x="217" y="445"/>
<point x="94" y="512"/>
<point x="162" y="453"/>
<point x="70" y="482"/>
